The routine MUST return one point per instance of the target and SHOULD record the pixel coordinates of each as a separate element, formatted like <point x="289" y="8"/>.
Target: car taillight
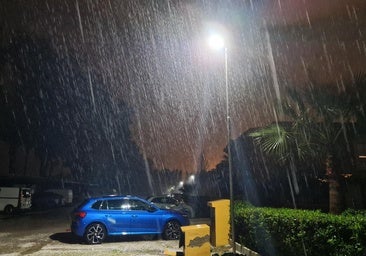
<point x="80" y="214"/>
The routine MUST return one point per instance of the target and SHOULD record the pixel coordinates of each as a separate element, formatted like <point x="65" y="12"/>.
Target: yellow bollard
<point x="196" y="240"/>
<point x="220" y="222"/>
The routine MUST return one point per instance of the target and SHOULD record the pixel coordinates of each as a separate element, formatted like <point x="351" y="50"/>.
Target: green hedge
<point x="288" y="232"/>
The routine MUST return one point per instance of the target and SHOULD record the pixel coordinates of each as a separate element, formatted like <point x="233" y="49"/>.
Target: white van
<point x="15" y="198"/>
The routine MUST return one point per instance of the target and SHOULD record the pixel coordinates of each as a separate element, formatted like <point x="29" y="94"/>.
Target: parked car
<point x="47" y="199"/>
<point x="15" y="198"/>
<point x="97" y="218"/>
<point x="66" y="193"/>
<point x="169" y="202"/>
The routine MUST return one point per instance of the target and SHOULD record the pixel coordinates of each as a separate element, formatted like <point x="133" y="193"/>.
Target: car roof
<point x="115" y="196"/>
<point x="162" y="196"/>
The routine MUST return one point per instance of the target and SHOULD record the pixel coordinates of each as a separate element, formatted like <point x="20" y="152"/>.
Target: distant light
<point x="170" y="189"/>
<point x="216" y="42"/>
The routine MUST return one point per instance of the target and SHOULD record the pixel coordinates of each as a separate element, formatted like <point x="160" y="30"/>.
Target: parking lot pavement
<point x="47" y="233"/>
<point x="62" y="244"/>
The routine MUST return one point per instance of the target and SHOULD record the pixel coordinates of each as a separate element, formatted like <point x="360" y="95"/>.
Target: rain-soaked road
<point x="47" y="233"/>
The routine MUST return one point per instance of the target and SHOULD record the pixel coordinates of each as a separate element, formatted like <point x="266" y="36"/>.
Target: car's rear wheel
<point x="172" y="230"/>
<point x="9" y="209"/>
<point x="95" y="233"/>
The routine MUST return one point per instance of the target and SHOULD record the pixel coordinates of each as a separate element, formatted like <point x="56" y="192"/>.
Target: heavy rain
<point x="127" y="97"/>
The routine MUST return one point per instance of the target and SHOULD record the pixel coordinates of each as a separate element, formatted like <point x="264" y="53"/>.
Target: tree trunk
<point x="335" y="203"/>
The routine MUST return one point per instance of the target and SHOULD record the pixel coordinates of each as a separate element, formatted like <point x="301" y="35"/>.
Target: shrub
<point x="288" y="232"/>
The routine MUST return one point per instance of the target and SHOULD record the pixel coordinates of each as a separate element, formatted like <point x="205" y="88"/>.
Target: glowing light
<point x="216" y="42"/>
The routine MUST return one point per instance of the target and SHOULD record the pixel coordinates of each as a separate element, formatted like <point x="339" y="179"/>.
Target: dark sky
<point x="153" y="55"/>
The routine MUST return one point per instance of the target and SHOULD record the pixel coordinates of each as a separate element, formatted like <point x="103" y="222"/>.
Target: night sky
<point x="153" y="55"/>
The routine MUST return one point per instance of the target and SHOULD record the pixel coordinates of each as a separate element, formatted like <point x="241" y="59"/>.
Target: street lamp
<point x="217" y="42"/>
<point x="191" y="179"/>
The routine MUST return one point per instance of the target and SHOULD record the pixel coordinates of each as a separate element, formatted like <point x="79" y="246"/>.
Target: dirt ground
<point x="48" y="233"/>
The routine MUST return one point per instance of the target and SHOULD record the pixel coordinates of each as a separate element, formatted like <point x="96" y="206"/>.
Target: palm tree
<point x="317" y="130"/>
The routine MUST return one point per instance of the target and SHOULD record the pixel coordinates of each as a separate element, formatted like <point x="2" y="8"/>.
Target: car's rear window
<point x="97" y="205"/>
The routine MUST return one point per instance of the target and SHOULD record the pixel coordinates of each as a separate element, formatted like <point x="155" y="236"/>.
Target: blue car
<point x="97" y="218"/>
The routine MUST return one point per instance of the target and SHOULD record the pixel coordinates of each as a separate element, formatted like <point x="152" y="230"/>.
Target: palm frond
<point x="274" y="139"/>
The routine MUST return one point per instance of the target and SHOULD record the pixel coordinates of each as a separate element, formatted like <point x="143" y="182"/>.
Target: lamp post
<point x="217" y="42"/>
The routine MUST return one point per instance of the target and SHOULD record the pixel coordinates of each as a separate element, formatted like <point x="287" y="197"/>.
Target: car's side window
<point x="104" y="205"/>
<point x="126" y="206"/>
<point x="137" y="205"/>
<point x="171" y="201"/>
<point x="156" y="200"/>
<point x="116" y="204"/>
<point x="162" y="200"/>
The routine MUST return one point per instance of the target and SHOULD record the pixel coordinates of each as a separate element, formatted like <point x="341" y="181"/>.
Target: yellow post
<point x="220" y="222"/>
<point x="196" y="240"/>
